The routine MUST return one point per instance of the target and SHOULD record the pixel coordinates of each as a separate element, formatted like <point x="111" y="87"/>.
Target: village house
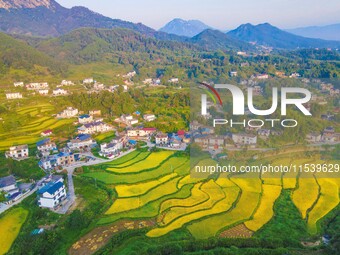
<point x="70" y="112"/>
<point x="149" y="117"/>
<point x="18" y="152"/>
<point x="18" y="84"/>
<point x="242" y="53"/>
<point x="13" y="95"/>
<point x="48" y="132"/>
<point x="59" y="92"/>
<point x="52" y="194"/>
<point x="98" y="86"/>
<point x="294" y="75"/>
<point x="94" y="127"/>
<point x="81" y="142"/>
<point x="328" y="116"/>
<point x="52" y="161"/>
<point x="147" y="81"/>
<point x="46" y="145"/>
<point x="88" y="81"/>
<point x="130" y="74"/>
<point x="244" y="139"/>
<point x="95" y="113"/>
<point x="141" y="132"/>
<point x="233" y="73"/>
<point x="173" y="80"/>
<point x="113" y="148"/>
<point x="37" y="86"/>
<point x="66" y="83"/>
<point x="210" y="142"/>
<point x="43" y="92"/>
<point x="262" y="76"/>
<point x="264" y="132"/>
<point x="330" y="136"/>
<point x="8" y="185"/>
<point x="313" y="137"/>
<point x="128" y="120"/>
<point x="85" y="118"/>
<point x="161" y="139"/>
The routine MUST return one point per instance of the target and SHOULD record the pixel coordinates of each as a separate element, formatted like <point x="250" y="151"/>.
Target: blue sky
<point x="221" y="14"/>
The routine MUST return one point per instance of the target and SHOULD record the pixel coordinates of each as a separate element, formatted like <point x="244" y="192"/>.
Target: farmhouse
<point x="37" y="86"/>
<point x="94" y="127"/>
<point x="233" y="74"/>
<point x="59" y="92"/>
<point x="210" y="142"/>
<point x="141" y="132"/>
<point x="313" y="137"/>
<point x="66" y="83"/>
<point x="61" y="159"/>
<point x="84" y="119"/>
<point x="264" y="132"/>
<point x="244" y="139"/>
<point x="18" y="152"/>
<point x="82" y="141"/>
<point x="262" y="76"/>
<point x="173" y="80"/>
<point x="18" y="84"/>
<point x="149" y="117"/>
<point x="88" y="81"/>
<point x="95" y="113"/>
<point x="161" y="139"/>
<point x="70" y="112"/>
<point x="13" y="95"/>
<point x="46" y="145"/>
<point x="52" y="194"/>
<point x="8" y="185"/>
<point x="47" y="132"/>
<point x="114" y="147"/>
<point x="43" y="92"/>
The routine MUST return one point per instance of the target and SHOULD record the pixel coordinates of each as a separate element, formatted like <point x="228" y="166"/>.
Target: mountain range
<point x="329" y="32"/>
<point x="188" y="28"/>
<point x="268" y="35"/>
<point x="47" y="18"/>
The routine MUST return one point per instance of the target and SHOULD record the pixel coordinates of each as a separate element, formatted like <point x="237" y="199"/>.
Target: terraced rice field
<point x="160" y="187"/>
<point x="265" y="210"/>
<point x="152" y="161"/>
<point x="30" y="132"/>
<point x="10" y="225"/>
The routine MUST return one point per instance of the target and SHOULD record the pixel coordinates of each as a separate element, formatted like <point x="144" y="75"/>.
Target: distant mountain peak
<point x="268" y="35"/>
<point x="29" y="4"/>
<point x="183" y="27"/>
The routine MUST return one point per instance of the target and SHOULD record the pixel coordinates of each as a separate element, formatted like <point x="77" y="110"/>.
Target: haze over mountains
<point x="49" y="19"/>
<point x="329" y="32"/>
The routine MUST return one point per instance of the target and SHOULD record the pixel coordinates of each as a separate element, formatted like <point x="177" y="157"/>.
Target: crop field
<point x="265" y="210"/>
<point x="306" y="194"/>
<point x="152" y="161"/>
<point x="329" y="199"/>
<point x="160" y="187"/>
<point x="174" y="164"/>
<point x="10" y="225"/>
<point x="29" y="132"/>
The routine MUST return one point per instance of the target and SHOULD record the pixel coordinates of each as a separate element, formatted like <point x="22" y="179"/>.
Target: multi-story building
<point x="82" y="141"/>
<point x="52" y="194"/>
<point x="18" y="152"/>
<point x="70" y="112"/>
<point x="61" y="159"/>
<point x="244" y="139"/>
<point x="161" y="139"/>
<point x="94" y="127"/>
<point x="13" y="95"/>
